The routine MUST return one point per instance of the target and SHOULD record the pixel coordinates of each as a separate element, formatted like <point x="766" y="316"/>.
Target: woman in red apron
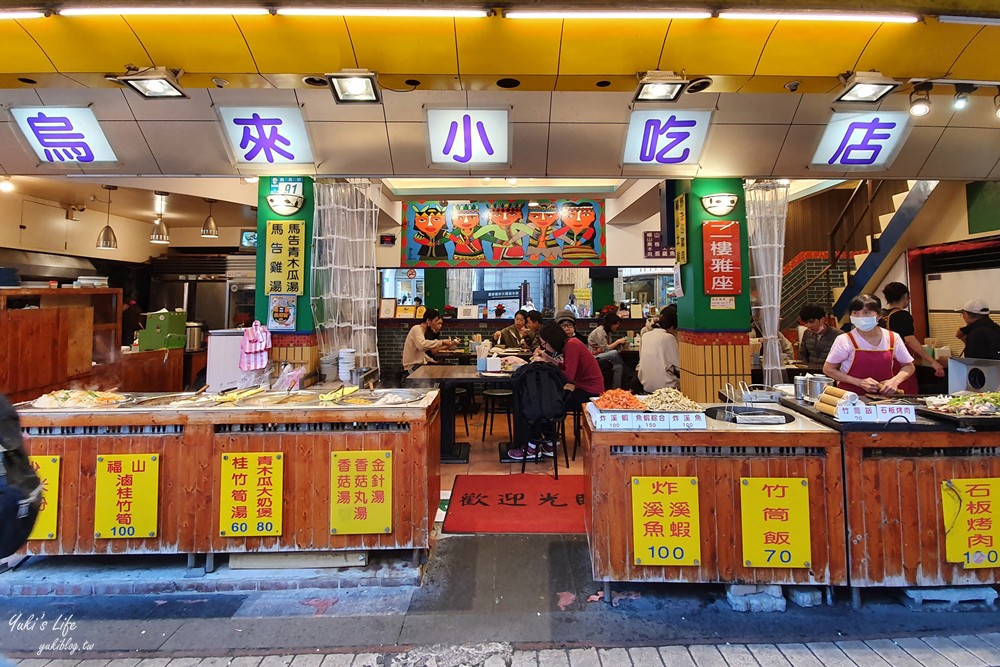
<point x="880" y="363"/>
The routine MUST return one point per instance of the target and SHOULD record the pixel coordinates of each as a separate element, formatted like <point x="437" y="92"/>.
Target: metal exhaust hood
<point x="44" y="266"/>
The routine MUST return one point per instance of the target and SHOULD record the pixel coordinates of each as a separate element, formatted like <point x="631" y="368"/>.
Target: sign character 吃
<point x="263" y="135"/>
<point x="656" y="129"/>
<point x="57" y="135"/>
<point x="868" y="146"/>
<point x="467" y="139"/>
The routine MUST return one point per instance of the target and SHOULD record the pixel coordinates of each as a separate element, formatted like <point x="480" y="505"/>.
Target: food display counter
<point x="904" y="505"/>
<point x="764" y="502"/>
<point x="246" y="476"/>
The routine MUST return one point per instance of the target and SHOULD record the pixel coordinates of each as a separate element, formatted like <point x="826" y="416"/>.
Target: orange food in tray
<point x="619" y="399"/>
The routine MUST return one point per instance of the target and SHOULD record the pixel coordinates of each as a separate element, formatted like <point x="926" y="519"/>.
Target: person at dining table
<point x="603" y="347"/>
<point x="512" y="336"/>
<point x="418" y="342"/>
<point x="532" y="326"/>
<point x="869" y="359"/>
<point x="659" y="355"/>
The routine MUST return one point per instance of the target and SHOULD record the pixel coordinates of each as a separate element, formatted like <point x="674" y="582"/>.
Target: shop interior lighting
<point x="209" y="230"/>
<point x="861" y="17"/>
<point x="16" y="16"/>
<point x="866" y="87"/>
<point x="354" y="86"/>
<point x="962" y="92"/>
<point x="511" y="181"/>
<point x="399" y="12"/>
<point x="609" y="14"/>
<point x="154" y="83"/>
<point x="6" y="185"/>
<point x="160" y="203"/>
<point x="969" y="20"/>
<point x="160" y="234"/>
<point x="164" y="11"/>
<point x="659" y="87"/>
<point x="920" y="99"/>
<point x="107" y="240"/>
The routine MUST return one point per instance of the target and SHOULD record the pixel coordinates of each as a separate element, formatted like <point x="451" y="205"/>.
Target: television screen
<point x="248" y="238"/>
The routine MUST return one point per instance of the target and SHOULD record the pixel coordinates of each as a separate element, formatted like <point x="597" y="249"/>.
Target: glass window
<point x="396" y="284"/>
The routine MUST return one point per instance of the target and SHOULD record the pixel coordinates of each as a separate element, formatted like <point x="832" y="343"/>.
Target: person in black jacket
<point x="981" y="334"/>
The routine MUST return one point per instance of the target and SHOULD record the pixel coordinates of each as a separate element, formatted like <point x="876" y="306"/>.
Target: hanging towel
<point x="253" y="351"/>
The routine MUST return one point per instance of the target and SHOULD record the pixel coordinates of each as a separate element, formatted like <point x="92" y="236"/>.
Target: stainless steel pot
<point x="816" y="384"/>
<point x="195" y="336"/>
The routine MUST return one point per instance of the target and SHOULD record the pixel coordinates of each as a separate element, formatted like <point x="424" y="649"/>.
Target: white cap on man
<point x="975" y="307"/>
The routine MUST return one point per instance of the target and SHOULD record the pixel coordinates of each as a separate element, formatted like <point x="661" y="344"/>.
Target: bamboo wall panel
<point x="894" y="519"/>
<point x="718" y="467"/>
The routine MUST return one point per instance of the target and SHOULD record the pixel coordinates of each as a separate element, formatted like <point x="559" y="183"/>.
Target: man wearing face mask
<point x="870" y="359"/>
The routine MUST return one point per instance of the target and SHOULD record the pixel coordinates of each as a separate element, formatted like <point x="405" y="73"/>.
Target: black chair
<point x="557" y="428"/>
<point x="462" y="405"/>
<point x="493" y="400"/>
<point x="577" y="415"/>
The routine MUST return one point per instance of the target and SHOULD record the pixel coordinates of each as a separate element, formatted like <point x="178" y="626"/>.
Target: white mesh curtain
<point x="345" y="283"/>
<point x="767" y="209"/>
<point x="461" y="282"/>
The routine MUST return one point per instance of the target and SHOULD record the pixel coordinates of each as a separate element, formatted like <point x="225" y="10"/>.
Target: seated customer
<point x="512" y="336"/>
<point x="818" y="337"/>
<point x="532" y="326"/>
<point x="567" y="322"/>
<point x="418" y="342"/>
<point x="651" y="322"/>
<point x="604" y="348"/>
<point x="659" y="355"/>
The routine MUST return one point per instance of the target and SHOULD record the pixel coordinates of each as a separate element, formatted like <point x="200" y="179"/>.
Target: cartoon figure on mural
<point x="577" y="232"/>
<point x="428" y="223"/>
<point x="505" y="231"/>
<point x="542" y="244"/>
<point x="465" y="222"/>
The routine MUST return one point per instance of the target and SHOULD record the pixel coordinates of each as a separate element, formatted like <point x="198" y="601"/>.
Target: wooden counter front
<point x="718" y="458"/>
<point x="190" y="445"/>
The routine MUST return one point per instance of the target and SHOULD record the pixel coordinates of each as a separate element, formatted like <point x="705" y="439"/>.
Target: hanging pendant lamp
<point x="107" y="240"/>
<point x="160" y="234"/>
<point x="209" y="230"/>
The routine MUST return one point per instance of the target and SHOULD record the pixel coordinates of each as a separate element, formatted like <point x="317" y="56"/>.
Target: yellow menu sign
<point x="680" y="229"/>
<point x="128" y="495"/>
<point x="971" y="531"/>
<point x="250" y="503"/>
<point x="775" y="522"/>
<point x="284" y="261"/>
<point x="360" y="492"/>
<point x="666" y="525"/>
<point x="47" y="469"/>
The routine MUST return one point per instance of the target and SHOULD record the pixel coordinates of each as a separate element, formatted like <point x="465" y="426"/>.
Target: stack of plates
<point x="347" y="363"/>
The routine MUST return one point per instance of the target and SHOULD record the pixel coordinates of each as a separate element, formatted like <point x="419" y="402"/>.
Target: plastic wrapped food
<point x="78" y="398"/>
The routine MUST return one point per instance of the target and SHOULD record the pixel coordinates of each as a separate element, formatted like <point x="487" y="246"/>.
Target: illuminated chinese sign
<point x="861" y="141"/>
<point x="284" y="257"/>
<point x="666" y="137"/>
<point x="775" y="513"/>
<point x="723" y="268"/>
<point x="971" y="528"/>
<point x="64" y="135"/>
<point x="47" y="469"/>
<point x="127" y="499"/>
<point x="468" y="137"/>
<point x="666" y="523"/>
<point x="360" y="492"/>
<point x="267" y="135"/>
<point x="251" y="503"/>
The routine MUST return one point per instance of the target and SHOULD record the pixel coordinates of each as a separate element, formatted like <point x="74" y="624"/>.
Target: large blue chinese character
<point x="467" y="138"/>
<point x="55" y="134"/>
<point x="263" y="134"/>
<point x="867" y="144"/>
<point x="650" y="151"/>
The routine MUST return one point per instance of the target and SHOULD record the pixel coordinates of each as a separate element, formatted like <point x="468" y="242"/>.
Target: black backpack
<point x="20" y="488"/>
<point x="539" y="386"/>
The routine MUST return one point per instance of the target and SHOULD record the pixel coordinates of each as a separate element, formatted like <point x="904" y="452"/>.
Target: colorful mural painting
<point x="559" y="232"/>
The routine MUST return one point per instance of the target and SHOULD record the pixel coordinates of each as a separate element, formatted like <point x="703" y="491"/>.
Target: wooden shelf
<point x="105" y="327"/>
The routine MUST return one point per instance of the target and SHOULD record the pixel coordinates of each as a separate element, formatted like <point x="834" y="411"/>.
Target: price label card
<point x="250" y="504"/>
<point x="126" y="503"/>
<point x="775" y="521"/>
<point x="971" y="526"/>
<point x="666" y="524"/>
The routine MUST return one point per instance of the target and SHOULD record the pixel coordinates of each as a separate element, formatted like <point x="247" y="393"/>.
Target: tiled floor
<point x="484" y="457"/>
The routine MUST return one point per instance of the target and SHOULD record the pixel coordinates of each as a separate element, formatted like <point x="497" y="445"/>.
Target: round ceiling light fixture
<point x="6" y="185"/>
<point x="920" y="99"/>
<point x="315" y="81"/>
<point x="698" y="85"/>
<point x="508" y="83"/>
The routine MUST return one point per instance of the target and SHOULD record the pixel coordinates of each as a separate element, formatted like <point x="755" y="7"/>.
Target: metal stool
<point x="493" y="399"/>
<point x="461" y="404"/>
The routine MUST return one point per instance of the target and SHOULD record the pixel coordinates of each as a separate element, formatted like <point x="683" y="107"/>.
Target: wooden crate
<point x="190" y="445"/>
<point x="718" y="459"/>
<point x="895" y="525"/>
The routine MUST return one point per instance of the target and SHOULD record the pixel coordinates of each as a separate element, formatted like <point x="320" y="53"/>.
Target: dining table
<point x="448" y="377"/>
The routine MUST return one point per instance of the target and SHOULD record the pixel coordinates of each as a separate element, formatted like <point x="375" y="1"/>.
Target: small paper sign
<point x="775" y="513"/>
<point x="666" y="524"/>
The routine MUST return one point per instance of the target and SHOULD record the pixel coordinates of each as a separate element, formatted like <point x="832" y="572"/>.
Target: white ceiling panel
<point x="963" y="153"/>
<point x="797" y="151"/>
<point x="660" y="172"/>
<point x="742" y="150"/>
<point x="981" y="113"/>
<point x="319" y="105"/>
<point x="526" y="107"/>
<point x="995" y="174"/>
<point x="350" y="149"/>
<point x="188" y="148"/>
<point x="914" y="153"/>
<point x="586" y="150"/>
<point x="409" y="107"/>
<point x="410" y="154"/>
<point x="529" y="151"/>
<point x="813" y="110"/>
<point x="130" y="147"/>
<point x="198" y="107"/>
<point x="19" y="97"/>
<point x="106" y="103"/>
<point x="590" y="107"/>
<point x="755" y="108"/>
<point x="940" y="115"/>
<point x="18" y="158"/>
<point x="253" y="97"/>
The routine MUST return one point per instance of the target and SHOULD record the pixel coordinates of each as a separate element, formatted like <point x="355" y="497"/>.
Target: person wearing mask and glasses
<point x="869" y="359"/>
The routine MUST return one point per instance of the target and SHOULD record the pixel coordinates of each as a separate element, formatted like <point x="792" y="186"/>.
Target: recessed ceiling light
<point x="316" y="81"/>
<point x="354" y="86"/>
<point x="866" y="87"/>
<point x="659" y="87"/>
<point x="153" y="83"/>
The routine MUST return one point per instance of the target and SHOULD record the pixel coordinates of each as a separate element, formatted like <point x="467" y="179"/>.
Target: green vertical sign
<point x="281" y="198"/>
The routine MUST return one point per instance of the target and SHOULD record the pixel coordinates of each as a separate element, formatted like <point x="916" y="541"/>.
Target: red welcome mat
<point x="516" y="504"/>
